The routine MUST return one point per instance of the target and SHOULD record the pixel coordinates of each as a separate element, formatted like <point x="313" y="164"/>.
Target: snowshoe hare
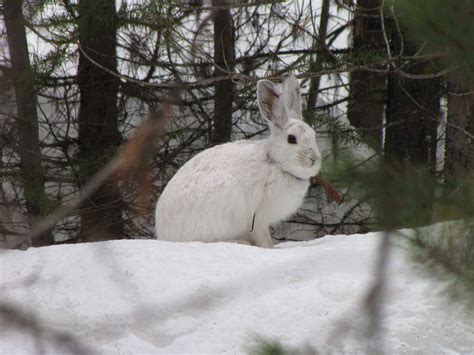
<point x="235" y="191"/>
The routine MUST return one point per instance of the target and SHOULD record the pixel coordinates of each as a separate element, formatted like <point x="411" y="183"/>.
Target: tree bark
<point x="318" y="64"/>
<point x="368" y="90"/>
<point x="224" y="58"/>
<point x="26" y="118"/>
<point x="412" y="114"/>
<point x="412" y="117"/>
<point x="99" y="136"/>
<point x="459" y="163"/>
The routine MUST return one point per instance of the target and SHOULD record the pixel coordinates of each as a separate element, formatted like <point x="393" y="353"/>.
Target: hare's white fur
<point x="235" y="191"/>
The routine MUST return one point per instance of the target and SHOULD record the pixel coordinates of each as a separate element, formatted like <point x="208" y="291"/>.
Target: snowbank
<point x="146" y="296"/>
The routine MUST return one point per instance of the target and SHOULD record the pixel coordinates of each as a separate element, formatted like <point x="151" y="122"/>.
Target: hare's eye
<point x="291" y="139"/>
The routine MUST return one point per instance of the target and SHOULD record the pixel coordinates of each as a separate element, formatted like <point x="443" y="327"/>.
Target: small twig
<point x="230" y="5"/>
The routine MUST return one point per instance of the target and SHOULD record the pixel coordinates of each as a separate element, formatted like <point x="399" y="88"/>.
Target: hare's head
<point x="292" y="143"/>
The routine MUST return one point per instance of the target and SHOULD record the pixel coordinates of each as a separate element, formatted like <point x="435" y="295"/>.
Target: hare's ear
<point x="270" y="103"/>
<point x="292" y="96"/>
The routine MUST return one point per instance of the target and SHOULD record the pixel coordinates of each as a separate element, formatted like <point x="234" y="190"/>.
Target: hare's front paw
<point x="266" y="243"/>
<point x="261" y="238"/>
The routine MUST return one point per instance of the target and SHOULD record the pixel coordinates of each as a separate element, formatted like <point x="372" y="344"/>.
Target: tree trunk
<point x="99" y="136"/>
<point x="412" y="118"/>
<point x="368" y="90"/>
<point x="459" y="163"/>
<point x="318" y="64"/>
<point x="26" y="118"/>
<point x="412" y="114"/>
<point x="224" y="58"/>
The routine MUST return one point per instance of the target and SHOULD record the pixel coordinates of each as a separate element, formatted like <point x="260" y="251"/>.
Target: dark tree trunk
<point x="224" y="58"/>
<point x="412" y="114"/>
<point x="99" y="136"/>
<point x="368" y="90"/>
<point x="459" y="163"/>
<point x="318" y="64"/>
<point x="412" y="118"/>
<point x="27" y="117"/>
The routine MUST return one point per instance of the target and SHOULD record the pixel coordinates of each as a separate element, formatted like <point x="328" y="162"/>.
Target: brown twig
<point x="331" y="191"/>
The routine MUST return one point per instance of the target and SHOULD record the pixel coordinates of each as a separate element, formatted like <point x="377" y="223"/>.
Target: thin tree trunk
<point x="318" y="64"/>
<point x="459" y="163"/>
<point x="224" y="58"/>
<point x="26" y="118"/>
<point x="99" y="136"/>
<point x="368" y="90"/>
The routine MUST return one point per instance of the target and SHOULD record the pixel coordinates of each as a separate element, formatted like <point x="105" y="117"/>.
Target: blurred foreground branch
<point x="130" y="161"/>
<point x="373" y="300"/>
<point x="13" y="318"/>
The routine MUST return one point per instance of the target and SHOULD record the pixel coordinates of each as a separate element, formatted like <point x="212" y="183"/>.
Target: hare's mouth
<point x="314" y="163"/>
<point x="308" y="161"/>
<point x="312" y="160"/>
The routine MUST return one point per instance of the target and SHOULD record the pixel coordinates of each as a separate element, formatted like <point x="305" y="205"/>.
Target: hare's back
<point x="211" y="197"/>
<point x="231" y="166"/>
<point x="236" y="157"/>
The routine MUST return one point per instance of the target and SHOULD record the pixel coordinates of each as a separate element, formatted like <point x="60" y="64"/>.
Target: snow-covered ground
<point x="146" y="296"/>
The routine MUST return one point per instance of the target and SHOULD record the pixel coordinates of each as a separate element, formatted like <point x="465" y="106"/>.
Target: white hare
<point x="235" y="191"/>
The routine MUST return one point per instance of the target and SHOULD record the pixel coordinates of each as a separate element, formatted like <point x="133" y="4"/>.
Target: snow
<point x="148" y="296"/>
